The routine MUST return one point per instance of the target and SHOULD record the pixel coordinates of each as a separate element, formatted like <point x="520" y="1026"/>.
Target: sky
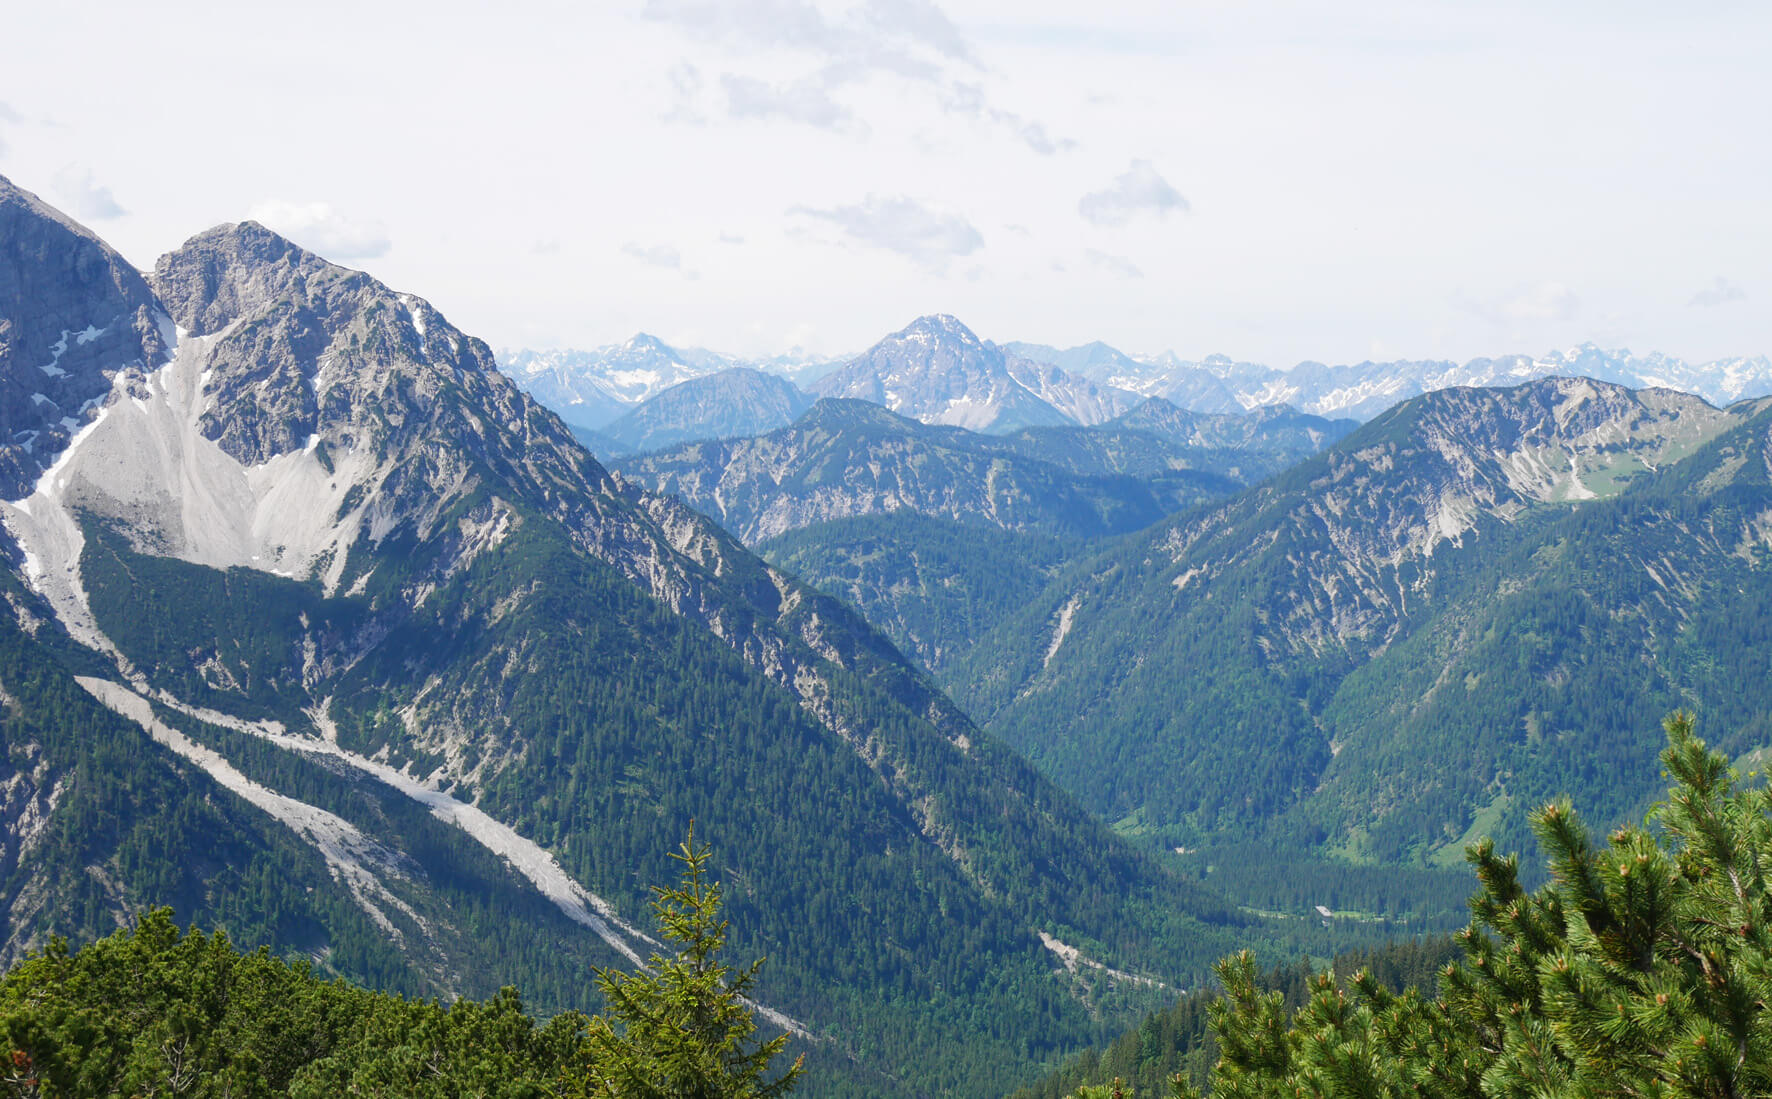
<point x="1277" y="182"/>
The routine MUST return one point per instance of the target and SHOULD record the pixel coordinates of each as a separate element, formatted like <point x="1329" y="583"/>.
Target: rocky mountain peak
<point x="643" y="343"/>
<point x="309" y="410"/>
<point x="937" y="327"/>
<point x="289" y="340"/>
<point x="938" y="371"/>
<point x="75" y="314"/>
<point x="231" y="271"/>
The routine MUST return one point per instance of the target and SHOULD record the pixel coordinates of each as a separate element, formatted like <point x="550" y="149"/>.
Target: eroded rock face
<point x="72" y="314"/>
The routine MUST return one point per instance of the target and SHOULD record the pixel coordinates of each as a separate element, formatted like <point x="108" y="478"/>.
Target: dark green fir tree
<point x="682" y="1028"/>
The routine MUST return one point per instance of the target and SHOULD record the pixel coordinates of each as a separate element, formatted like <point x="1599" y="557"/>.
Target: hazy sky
<point x="1273" y="181"/>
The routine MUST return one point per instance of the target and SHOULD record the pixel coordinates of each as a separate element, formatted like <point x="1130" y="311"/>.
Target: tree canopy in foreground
<point x="153" y="1011"/>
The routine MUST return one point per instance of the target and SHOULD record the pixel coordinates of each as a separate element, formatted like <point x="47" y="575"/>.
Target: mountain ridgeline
<point x="321" y="631"/>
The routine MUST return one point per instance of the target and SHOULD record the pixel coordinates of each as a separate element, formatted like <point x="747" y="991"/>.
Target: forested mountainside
<point x="1638" y="968"/>
<point x="1476" y="602"/>
<point x="379" y="623"/>
<point x="153" y="1010"/>
<point x="934" y="586"/>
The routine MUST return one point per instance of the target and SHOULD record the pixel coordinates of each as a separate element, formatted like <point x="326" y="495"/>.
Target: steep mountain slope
<point x="1292" y="656"/>
<point x="732" y="402"/>
<point x="849" y="458"/>
<point x="937" y="371"/>
<point x="333" y="560"/>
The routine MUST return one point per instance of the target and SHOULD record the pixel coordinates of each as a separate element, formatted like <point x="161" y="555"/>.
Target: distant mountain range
<point x="591" y="389"/>
<point x="849" y="458"/>
<point x="938" y="371"/>
<point x="1363" y="390"/>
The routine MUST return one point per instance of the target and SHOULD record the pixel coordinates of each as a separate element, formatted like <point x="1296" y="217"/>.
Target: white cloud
<point x="321" y="229"/>
<point x="968" y="99"/>
<point x="876" y="34"/>
<point x="757" y="22"/>
<point x="913" y="40"/>
<point x="805" y="101"/>
<point x="1720" y="292"/>
<point x="658" y="255"/>
<point x="1138" y="190"/>
<point x="928" y="237"/>
<point x="85" y="197"/>
<point x="685" y="95"/>
<point x="7" y="115"/>
<point x="1545" y="302"/>
<point x="1548" y="301"/>
<point x="922" y="22"/>
<point x="1118" y="265"/>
